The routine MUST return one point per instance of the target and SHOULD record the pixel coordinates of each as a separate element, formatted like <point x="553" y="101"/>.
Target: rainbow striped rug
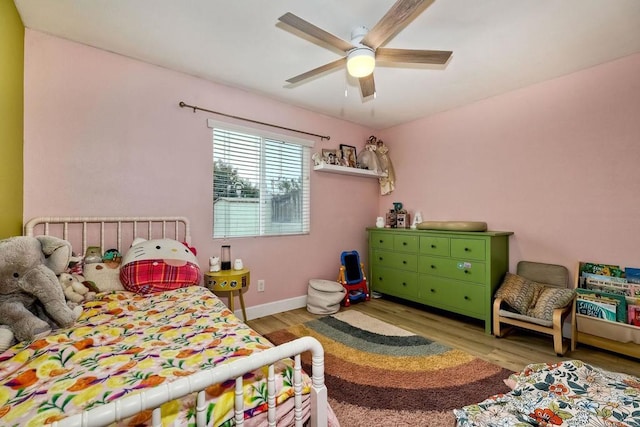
<point x="380" y="375"/>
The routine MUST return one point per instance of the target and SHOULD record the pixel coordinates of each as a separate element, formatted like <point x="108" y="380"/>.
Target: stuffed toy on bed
<point x="75" y="288"/>
<point x="31" y="299"/>
<point x="159" y="265"/>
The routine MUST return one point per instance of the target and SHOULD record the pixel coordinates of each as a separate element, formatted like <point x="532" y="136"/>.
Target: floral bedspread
<point x="124" y="343"/>
<point x="570" y="393"/>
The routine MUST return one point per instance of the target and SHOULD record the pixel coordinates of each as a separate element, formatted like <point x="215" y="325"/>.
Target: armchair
<point x="537" y="299"/>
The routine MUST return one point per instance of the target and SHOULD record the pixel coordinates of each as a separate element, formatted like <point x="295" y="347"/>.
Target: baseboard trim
<point x="271" y="308"/>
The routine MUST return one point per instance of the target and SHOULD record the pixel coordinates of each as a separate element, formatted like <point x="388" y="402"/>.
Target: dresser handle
<point x="380" y="279"/>
<point x="433" y="246"/>
<point x="466" y="297"/>
<point x="404" y="284"/>
<point x="466" y="272"/>
<point x="467" y="249"/>
<point x="380" y="258"/>
<point x="433" y="266"/>
<point x="433" y="290"/>
<point x="381" y="241"/>
<point x="404" y="262"/>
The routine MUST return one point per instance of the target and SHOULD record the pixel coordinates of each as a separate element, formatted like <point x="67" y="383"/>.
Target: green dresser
<point x="454" y="271"/>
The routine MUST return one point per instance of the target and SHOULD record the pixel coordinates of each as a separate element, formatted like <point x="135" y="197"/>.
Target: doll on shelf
<point x="388" y="182"/>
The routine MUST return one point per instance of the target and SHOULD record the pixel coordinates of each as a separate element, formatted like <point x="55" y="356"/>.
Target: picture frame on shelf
<point x="349" y="155"/>
<point x="330" y="156"/>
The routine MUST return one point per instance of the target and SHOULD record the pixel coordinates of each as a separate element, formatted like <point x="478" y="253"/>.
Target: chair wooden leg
<point x="496" y="319"/>
<point x="558" y="344"/>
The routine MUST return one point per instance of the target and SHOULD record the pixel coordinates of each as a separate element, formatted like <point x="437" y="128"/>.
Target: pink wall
<point x="104" y="136"/>
<point x="557" y="163"/>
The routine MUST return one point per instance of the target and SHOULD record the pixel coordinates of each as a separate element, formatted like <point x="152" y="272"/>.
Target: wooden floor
<point x="512" y="352"/>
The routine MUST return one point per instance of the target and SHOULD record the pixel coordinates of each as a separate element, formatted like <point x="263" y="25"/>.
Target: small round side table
<point x="229" y="281"/>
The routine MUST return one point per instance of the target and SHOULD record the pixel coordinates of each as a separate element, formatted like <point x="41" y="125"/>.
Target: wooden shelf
<point x="613" y="336"/>
<point x="324" y="167"/>
<point x="629" y="349"/>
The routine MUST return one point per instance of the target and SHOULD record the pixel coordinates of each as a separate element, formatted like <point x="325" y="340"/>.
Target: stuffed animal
<point x="112" y="258"/>
<point x="317" y="159"/>
<point x="214" y="263"/>
<point x="73" y="288"/>
<point x="6" y="338"/>
<point x="159" y="265"/>
<point x="92" y="254"/>
<point x="29" y="286"/>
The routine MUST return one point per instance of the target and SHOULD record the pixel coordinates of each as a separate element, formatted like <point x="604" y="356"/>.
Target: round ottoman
<point x="324" y="296"/>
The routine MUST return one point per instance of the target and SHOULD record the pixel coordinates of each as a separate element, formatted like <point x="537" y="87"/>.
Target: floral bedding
<point x="124" y="343"/>
<point x="570" y="393"/>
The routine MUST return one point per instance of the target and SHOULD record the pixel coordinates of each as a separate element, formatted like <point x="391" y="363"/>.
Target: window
<point x="260" y="182"/>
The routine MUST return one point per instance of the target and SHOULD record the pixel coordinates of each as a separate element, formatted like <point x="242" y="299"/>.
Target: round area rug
<point x="379" y="374"/>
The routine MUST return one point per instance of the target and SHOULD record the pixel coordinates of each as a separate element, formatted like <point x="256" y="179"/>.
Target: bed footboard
<point x="196" y="383"/>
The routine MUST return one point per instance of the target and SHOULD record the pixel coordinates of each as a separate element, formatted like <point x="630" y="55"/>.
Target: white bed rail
<point x="109" y="230"/>
<point x="153" y="398"/>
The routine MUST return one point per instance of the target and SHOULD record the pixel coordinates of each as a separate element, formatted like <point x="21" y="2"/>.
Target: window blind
<point x="260" y="183"/>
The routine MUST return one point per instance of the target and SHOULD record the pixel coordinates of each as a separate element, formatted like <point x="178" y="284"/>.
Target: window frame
<point x="306" y="167"/>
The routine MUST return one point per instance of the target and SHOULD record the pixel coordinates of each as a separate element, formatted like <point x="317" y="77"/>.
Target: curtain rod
<point x="183" y="105"/>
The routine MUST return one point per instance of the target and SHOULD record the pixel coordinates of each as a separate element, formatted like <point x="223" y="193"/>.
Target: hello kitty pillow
<point x="159" y="265"/>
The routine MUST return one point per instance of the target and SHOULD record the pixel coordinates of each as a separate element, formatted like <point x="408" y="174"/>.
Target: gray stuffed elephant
<point x="29" y="286"/>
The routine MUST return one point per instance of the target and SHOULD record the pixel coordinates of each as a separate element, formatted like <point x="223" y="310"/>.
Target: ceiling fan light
<point x="361" y="61"/>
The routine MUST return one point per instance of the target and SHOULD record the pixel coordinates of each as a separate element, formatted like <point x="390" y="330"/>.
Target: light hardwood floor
<point x="512" y="352"/>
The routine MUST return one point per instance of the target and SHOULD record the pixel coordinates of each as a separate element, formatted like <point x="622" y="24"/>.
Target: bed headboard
<point x="109" y="232"/>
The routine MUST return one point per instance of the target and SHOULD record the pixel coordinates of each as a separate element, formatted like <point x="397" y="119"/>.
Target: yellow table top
<point x="228" y="280"/>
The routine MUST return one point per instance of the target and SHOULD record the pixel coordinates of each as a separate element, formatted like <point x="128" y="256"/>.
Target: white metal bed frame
<point x="114" y="229"/>
<point x="93" y="228"/>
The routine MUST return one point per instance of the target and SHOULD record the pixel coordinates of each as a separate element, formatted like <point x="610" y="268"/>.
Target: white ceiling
<point x="498" y="46"/>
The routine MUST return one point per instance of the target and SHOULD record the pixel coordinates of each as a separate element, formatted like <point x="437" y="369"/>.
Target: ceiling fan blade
<point x="393" y="21"/>
<point x="384" y="54"/>
<point x="315" y="32"/>
<point x="316" y="71"/>
<point x="367" y="85"/>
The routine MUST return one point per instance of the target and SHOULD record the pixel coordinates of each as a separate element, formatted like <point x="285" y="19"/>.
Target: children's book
<point x="613" y="285"/>
<point x="618" y="301"/>
<point x="633" y="313"/>
<point x="632" y="274"/>
<point x="602" y="279"/>
<point x="600" y="310"/>
<point x="602" y="269"/>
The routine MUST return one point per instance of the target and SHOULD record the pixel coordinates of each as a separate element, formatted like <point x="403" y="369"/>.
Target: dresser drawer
<point x="452" y="268"/>
<point x="433" y="290"/>
<point x="381" y="240"/>
<point x="433" y="245"/>
<point x="468" y="249"/>
<point x="390" y="281"/>
<point x="470" y="300"/>
<point x="460" y="297"/>
<point x="405" y="243"/>
<point x="402" y="261"/>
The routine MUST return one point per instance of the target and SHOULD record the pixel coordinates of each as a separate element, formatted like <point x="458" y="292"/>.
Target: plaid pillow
<point x="154" y="275"/>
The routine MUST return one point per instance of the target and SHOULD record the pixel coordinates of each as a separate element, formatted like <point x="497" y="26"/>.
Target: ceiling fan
<point x="362" y="52"/>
